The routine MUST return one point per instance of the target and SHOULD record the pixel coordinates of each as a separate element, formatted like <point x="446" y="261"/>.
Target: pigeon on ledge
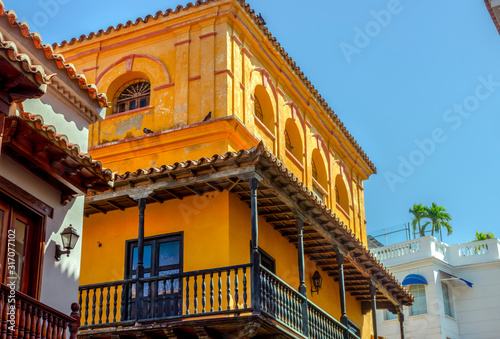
<point x="208" y="117"/>
<point x="147" y="130"/>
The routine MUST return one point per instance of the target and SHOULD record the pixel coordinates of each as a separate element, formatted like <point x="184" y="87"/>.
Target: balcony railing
<point x="31" y="319"/>
<point x="424" y="247"/>
<point x="217" y="291"/>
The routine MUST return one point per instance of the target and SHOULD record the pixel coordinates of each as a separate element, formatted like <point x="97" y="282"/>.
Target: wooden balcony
<point x="31" y="319"/>
<point x="218" y="302"/>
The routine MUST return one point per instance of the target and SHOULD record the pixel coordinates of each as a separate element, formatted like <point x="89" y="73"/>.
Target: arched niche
<point x="263" y="107"/>
<point x="293" y="140"/>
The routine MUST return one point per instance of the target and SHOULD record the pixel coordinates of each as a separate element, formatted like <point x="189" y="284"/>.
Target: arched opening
<point x="263" y="107"/>
<point x="293" y="140"/>
<point x="132" y="95"/>
<point x="319" y="174"/>
<point x="341" y="196"/>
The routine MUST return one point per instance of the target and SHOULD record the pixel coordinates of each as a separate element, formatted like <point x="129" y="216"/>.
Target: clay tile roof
<point x="71" y="149"/>
<point x="49" y="53"/>
<point x="26" y="64"/>
<point x="261" y="154"/>
<point x="251" y="13"/>
<point x="493" y="16"/>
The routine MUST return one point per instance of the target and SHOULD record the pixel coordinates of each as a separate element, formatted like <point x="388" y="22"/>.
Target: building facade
<point x="455" y="288"/>
<point x="238" y="202"/>
<point x="44" y="175"/>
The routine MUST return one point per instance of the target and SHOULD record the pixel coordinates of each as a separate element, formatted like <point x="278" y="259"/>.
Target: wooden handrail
<point x="30" y="317"/>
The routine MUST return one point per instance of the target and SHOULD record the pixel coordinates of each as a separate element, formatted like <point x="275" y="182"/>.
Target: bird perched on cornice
<point x="208" y="117"/>
<point x="147" y="130"/>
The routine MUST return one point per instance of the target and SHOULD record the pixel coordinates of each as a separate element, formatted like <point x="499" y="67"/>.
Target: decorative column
<point x="401" y="318"/>
<point x="373" y="299"/>
<point x="140" y="261"/>
<point x="255" y="256"/>
<point x="302" y="284"/>
<point x="343" y="311"/>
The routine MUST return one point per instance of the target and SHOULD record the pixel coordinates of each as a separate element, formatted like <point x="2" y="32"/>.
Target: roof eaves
<point x="58" y="59"/>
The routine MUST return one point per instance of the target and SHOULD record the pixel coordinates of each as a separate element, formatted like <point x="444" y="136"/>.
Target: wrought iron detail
<point x="132" y="95"/>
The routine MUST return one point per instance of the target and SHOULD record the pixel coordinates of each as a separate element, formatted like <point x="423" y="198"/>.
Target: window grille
<point x="132" y="95"/>
<point x="258" y="110"/>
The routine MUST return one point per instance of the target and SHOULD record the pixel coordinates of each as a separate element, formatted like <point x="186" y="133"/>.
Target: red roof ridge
<point x="49" y="53"/>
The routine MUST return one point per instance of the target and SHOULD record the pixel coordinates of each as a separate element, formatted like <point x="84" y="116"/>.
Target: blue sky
<point x="417" y="83"/>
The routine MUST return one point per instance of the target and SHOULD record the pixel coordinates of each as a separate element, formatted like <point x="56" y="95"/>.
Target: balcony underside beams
<point x="280" y="195"/>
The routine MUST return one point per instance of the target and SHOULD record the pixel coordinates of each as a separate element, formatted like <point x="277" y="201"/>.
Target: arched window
<point x="314" y="171"/>
<point x="341" y="196"/>
<point x="132" y="95"/>
<point x="263" y="107"/>
<point x="258" y="109"/>
<point x="293" y="140"/>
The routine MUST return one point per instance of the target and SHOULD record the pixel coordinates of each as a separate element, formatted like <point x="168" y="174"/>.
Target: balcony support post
<point x="373" y="299"/>
<point x="140" y="261"/>
<point x="255" y="257"/>
<point x="302" y="284"/>
<point x="401" y="318"/>
<point x="343" y="318"/>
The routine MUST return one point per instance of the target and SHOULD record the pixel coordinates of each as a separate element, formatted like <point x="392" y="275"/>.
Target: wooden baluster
<point x="45" y="323"/>
<point x="15" y="333"/>
<point x="53" y="332"/>
<point x="245" y="296"/>
<point x="195" y="294"/>
<point x="38" y="333"/>
<point x="49" y="326"/>
<point x="22" y="319"/>
<point x="219" y="299"/>
<point x="236" y="289"/>
<point x="65" y="325"/>
<point x="264" y="291"/>
<point x="100" y="304"/>
<point x="187" y="294"/>
<point x="108" y="297"/>
<point x="115" y="299"/>
<point x="228" y="296"/>
<point x="172" y="303"/>
<point x="87" y="307"/>
<point x="203" y="293"/>
<point x="123" y="315"/>
<point x="211" y="291"/>
<point x="129" y="310"/>
<point x="94" y="299"/>
<point x="34" y="320"/>
<point x="80" y="292"/>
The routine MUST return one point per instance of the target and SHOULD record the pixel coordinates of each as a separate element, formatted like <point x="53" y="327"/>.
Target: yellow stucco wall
<point x="210" y="59"/>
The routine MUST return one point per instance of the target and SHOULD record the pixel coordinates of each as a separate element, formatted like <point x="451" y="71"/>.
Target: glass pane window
<point x="446" y="300"/>
<point x="147" y="258"/>
<point x="420" y="304"/>
<point x="168" y="253"/>
<point x="132" y="95"/>
<point x="20" y="246"/>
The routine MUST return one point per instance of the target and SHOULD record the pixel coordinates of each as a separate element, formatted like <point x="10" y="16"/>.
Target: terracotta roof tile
<point x="493" y="16"/>
<point x="49" y="53"/>
<point x="265" y="31"/>
<point x="72" y="149"/>
<point x="261" y="153"/>
<point x="24" y="60"/>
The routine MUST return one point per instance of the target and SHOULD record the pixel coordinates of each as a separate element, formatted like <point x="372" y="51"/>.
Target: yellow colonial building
<point x="237" y="207"/>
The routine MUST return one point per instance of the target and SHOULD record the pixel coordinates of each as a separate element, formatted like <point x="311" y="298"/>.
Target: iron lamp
<point x="69" y="237"/>
<point x="317" y="281"/>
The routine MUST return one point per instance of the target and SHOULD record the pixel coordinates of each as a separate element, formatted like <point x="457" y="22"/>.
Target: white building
<point x="45" y="112"/>
<point x="456" y="289"/>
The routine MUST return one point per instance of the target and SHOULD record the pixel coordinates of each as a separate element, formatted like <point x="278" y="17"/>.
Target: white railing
<point x="424" y="247"/>
<point x="397" y="250"/>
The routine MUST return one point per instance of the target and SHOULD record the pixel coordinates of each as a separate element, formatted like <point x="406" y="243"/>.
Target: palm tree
<point x="439" y="218"/>
<point x="419" y="212"/>
<point x="483" y="236"/>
